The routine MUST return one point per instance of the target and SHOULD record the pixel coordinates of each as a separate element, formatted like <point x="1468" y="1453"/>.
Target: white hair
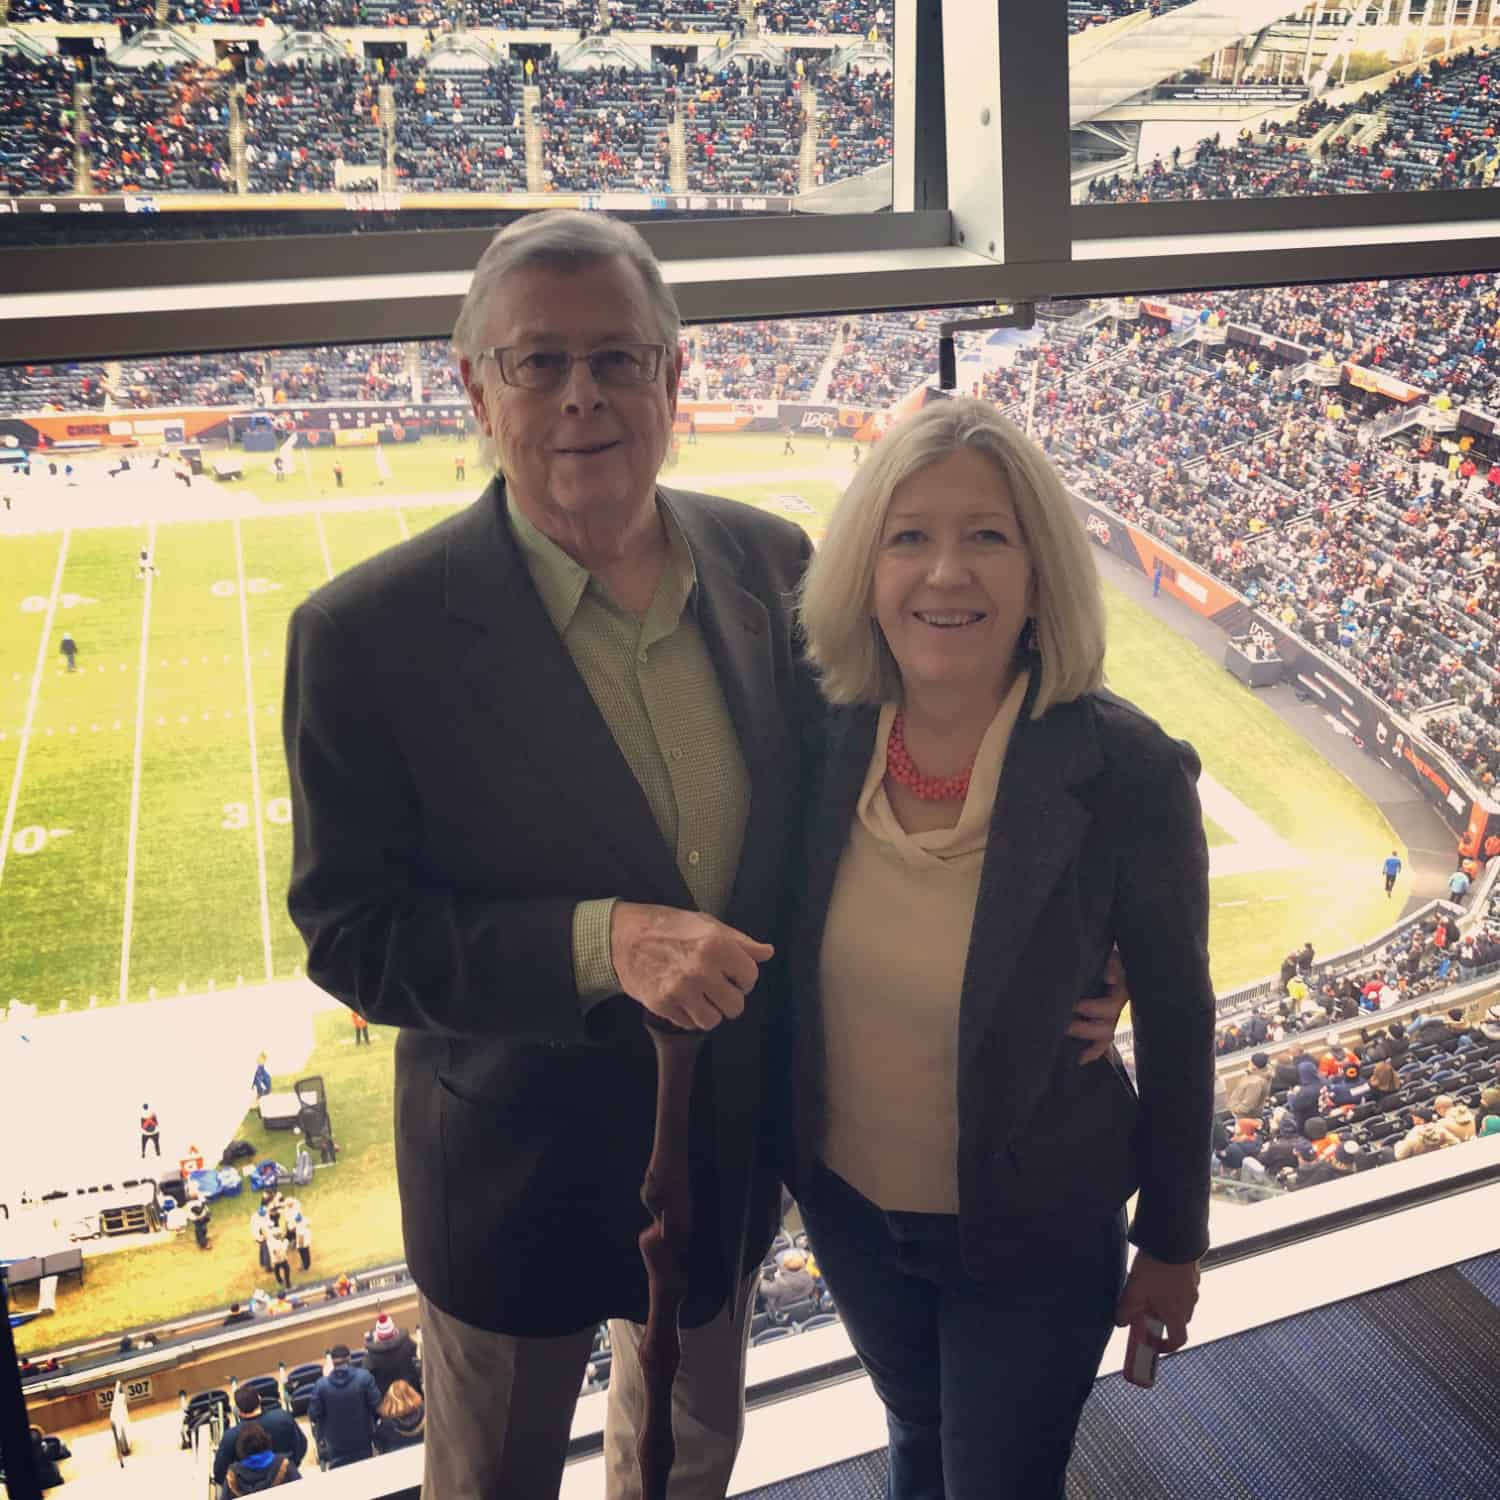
<point x="560" y="239"/>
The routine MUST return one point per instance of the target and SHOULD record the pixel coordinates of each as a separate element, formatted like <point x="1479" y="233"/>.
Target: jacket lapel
<point x="520" y="677"/>
<point x="1037" y="831"/>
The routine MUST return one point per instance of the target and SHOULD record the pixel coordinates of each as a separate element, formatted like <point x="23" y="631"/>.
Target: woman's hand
<point x="1095" y="1018"/>
<point x="1165" y="1291"/>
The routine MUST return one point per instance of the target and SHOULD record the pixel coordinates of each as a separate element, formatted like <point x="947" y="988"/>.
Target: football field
<point x="146" y="834"/>
<point x="146" y="837"/>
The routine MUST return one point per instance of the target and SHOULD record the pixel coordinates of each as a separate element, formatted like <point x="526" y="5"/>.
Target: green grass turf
<point x="420" y="468"/>
<point x="198" y="911"/>
<point x="1336" y="898"/>
<point x="352" y="1207"/>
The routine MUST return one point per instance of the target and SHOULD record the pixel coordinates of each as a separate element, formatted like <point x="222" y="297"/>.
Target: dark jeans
<point x="983" y="1382"/>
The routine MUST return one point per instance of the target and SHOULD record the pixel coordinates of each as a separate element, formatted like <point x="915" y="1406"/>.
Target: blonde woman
<point x="400" y="1418"/>
<point x="986" y="823"/>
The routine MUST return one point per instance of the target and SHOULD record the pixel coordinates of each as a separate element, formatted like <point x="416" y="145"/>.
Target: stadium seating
<point x="300" y="1380"/>
<point x="1437" y="130"/>
<point x="38" y="133"/>
<point x="744" y="126"/>
<point x="459" y="131"/>
<point x="771" y="1335"/>
<point x="314" y="126"/>
<point x="160" y="129"/>
<point x="777" y="358"/>
<point x="1451" y="1059"/>
<point x="606" y="130"/>
<point x="301" y="120"/>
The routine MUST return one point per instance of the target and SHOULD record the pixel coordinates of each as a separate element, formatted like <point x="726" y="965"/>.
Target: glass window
<point x="1294" y="481"/>
<point x="254" y="116"/>
<point x="1174" y="102"/>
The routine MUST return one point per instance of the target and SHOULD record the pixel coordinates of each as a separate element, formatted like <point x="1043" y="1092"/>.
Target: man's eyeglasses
<point x="548" y="369"/>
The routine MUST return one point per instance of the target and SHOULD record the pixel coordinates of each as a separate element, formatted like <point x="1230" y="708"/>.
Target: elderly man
<point x="532" y="823"/>
<point x="544" y="760"/>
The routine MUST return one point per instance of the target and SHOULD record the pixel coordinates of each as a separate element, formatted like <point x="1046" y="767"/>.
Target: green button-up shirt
<point x="654" y="682"/>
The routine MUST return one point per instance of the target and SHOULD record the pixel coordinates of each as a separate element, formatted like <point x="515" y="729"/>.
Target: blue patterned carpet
<point x="1391" y="1396"/>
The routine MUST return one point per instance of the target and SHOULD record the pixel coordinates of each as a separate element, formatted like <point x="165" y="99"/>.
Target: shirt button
<point x="640" y="656"/>
<point x="694" y="857"/>
<point x="677" y="755"/>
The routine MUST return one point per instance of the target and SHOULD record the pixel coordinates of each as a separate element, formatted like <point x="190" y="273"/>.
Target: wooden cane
<point x="667" y="1193"/>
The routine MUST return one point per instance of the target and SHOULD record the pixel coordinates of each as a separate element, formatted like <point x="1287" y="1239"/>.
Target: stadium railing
<point x="1326" y="1033"/>
<point x="85" y="1366"/>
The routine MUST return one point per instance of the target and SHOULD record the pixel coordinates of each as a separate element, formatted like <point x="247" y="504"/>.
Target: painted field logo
<point x="1098" y="528"/>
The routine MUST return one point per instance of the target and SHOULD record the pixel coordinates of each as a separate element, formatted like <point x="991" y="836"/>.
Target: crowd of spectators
<point x="855" y="112"/>
<point x="38" y="125"/>
<point x="1298" y="1118"/>
<point x="775" y="17"/>
<point x="160" y="129"/>
<point x="1437" y="130"/>
<point x="1471" y="740"/>
<point x="167" y="128"/>
<point x="459" y="131"/>
<point x="606" y="129"/>
<point x="61" y="387"/>
<point x="744" y="125"/>
<point x="350" y="372"/>
<point x="888" y="357"/>
<point x="302" y="119"/>
<point x="768" y="360"/>
<point x="129" y="15"/>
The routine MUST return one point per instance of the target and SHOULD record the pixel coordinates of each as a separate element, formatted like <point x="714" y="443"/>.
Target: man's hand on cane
<point x="684" y="966"/>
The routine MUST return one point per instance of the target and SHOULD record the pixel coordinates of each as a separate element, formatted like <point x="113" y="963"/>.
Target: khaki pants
<point x="499" y="1408"/>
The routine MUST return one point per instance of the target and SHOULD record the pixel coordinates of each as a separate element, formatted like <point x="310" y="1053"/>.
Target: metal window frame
<point x="91" y="302"/>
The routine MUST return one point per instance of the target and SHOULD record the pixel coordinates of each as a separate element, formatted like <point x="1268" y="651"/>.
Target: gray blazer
<point x="1097" y="839"/>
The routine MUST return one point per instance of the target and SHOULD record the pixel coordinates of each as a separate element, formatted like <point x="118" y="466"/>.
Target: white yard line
<point x="323" y="543"/>
<point x="401" y="522"/>
<point x="256" y="809"/>
<point x="36" y="689"/>
<point x="1256" y="845"/>
<point x="135" y="773"/>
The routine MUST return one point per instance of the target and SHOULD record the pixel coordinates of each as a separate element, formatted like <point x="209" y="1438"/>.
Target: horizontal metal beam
<point x="405" y="252"/>
<point x="1337" y="212"/>
<point x="352" y="309"/>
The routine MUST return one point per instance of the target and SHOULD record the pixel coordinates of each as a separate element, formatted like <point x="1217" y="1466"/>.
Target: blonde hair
<point x="400" y="1399"/>
<point x="845" y="643"/>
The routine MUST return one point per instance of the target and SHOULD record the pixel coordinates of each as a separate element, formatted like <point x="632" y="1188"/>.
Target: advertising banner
<point x="1232" y="93"/>
<point x="355" y="437"/>
<point x="1170" y="312"/>
<point x="804" y="418"/>
<point x="1382" y="384"/>
<point x="1376" y="730"/>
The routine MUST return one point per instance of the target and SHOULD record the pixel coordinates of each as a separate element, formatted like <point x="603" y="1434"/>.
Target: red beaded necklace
<point x="899" y="767"/>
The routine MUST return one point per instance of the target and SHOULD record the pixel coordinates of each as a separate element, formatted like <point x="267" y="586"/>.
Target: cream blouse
<point x="889" y="979"/>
